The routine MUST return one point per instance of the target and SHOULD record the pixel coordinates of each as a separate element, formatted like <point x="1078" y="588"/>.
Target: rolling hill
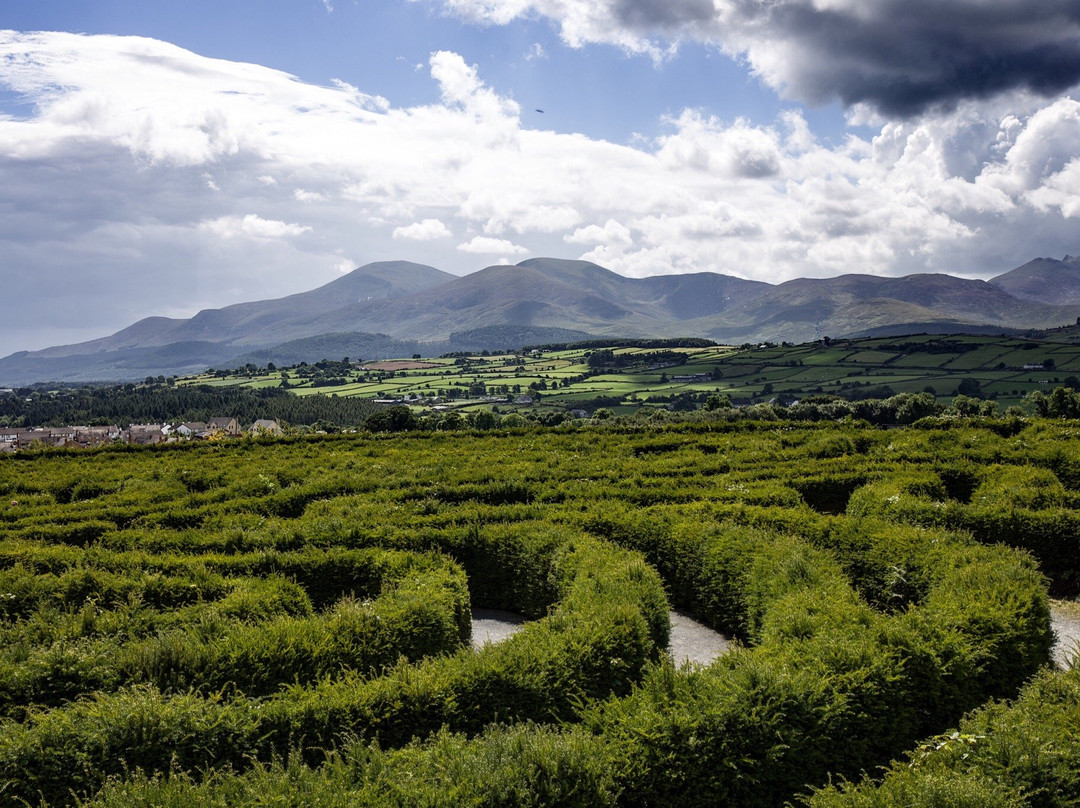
<point x="383" y="307"/>
<point x="1044" y="280"/>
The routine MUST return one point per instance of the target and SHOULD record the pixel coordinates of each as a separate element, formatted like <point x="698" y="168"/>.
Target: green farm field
<point x="287" y="622"/>
<point x="1005" y="368"/>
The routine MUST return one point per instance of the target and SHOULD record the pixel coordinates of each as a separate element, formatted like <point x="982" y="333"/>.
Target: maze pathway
<point x="1066" y="624"/>
<point x="691" y="641"/>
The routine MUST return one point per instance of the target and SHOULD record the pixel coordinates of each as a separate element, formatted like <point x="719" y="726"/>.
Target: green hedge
<point x="1019" y="506"/>
<point x="834" y="553"/>
<point x="609" y="622"/>
<point x="1023" y="754"/>
<point x="830" y="686"/>
<point x="241" y="641"/>
<point x="508" y="767"/>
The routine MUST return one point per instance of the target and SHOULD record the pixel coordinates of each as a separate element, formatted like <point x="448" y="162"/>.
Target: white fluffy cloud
<point x="427" y="230"/>
<point x="483" y="245"/>
<point x="253" y="226"/>
<point x="244" y="183"/>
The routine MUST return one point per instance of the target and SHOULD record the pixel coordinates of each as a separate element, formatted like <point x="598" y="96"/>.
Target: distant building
<point x="229" y="427"/>
<point x="264" y="426"/>
<point x="192" y="429"/>
<point x="87" y="436"/>
<point x="145" y="434"/>
<point x="697" y="377"/>
<point x="25" y="438"/>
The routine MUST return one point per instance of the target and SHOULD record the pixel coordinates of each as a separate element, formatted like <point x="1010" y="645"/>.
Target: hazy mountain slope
<point x="553" y="293"/>
<point x="416" y="305"/>
<point x="1044" y="280"/>
<point x="265" y="322"/>
<point x="806" y="308"/>
<point x="127" y="364"/>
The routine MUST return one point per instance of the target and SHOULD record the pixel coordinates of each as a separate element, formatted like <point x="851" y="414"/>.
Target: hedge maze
<point x="287" y="623"/>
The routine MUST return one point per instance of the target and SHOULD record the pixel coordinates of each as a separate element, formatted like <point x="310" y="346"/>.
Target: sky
<point x="162" y="158"/>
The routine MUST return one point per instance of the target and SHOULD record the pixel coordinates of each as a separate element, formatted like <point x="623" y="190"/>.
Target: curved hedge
<point x="864" y="623"/>
<point x="608" y="620"/>
<point x="178" y="623"/>
<point x="1019" y="506"/>
<point x="829" y="685"/>
<point x="1021" y="754"/>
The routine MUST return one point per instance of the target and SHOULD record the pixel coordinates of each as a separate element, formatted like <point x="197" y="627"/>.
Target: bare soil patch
<point x="493" y="626"/>
<point x="695" y="642"/>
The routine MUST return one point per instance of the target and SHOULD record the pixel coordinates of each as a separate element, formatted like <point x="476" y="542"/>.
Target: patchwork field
<point x="1004" y="368"/>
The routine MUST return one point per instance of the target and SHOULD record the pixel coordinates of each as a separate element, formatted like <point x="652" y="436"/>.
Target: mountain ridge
<point x="419" y="305"/>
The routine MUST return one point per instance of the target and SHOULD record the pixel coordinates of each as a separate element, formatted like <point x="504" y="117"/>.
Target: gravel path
<point x="1066" y="619"/>
<point x="492" y="626"/>
<point x="692" y="641"/>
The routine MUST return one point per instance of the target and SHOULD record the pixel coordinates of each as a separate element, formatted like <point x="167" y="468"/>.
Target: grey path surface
<point x="492" y="626"/>
<point x="1066" y="620"/>
<point x="692" y="641"/>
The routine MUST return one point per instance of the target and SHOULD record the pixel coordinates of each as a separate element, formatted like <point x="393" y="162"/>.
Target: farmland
<point x="287" y="622"/>
<point x="1005" y="369"/>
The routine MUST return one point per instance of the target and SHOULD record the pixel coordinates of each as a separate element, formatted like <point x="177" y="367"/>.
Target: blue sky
<point x="377" y="45"/>
<point x="179" y="156"/>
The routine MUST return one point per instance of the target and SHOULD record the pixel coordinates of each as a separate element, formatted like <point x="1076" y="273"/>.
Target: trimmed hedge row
<point x="1023" y="754"/>
<point x="609" y="620"/>
<point x="1019" y="506"/>
<point x="862" y="634"/>
<point x="420" y="609"/>
<point x="830" y="686"/>
<point x="508" y="767"/>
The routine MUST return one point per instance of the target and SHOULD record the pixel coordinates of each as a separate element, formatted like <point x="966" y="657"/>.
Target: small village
<point x="85" y="437"/>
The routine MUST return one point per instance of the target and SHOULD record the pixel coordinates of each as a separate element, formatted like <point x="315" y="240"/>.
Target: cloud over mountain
<point x="245" y="182"/>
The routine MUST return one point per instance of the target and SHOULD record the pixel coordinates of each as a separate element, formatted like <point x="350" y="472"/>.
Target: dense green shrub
<point x="1024" y="754"/>
<point x="609" y="621"/>
<point x="835" y="554"/>
<point x="507" y="767"/>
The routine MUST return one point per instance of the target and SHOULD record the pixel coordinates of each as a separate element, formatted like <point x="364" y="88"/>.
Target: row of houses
<point x="84" y="437"/>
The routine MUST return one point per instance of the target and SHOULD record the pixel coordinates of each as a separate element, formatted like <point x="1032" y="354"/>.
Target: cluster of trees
<point x="1062" y="402"/>
<point x="606" y="358"/>
<point x="129" y="404"/>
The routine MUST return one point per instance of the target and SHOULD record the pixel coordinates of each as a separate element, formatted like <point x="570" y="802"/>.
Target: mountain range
<point x="400" y="308"/>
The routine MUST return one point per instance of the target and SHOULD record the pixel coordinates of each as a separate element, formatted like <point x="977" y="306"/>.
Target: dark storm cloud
<point x="663" y="15"/>
<point x="905" y="57"/>
<point x="902" y="57"/>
